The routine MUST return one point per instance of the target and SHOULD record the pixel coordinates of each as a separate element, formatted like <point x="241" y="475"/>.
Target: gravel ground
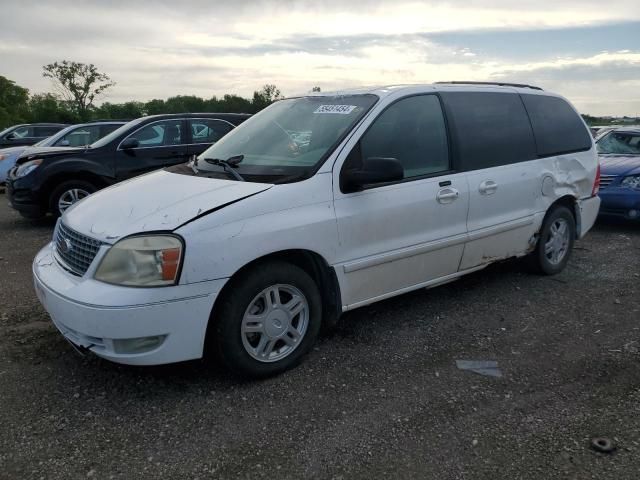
<point x="380" y="397"/>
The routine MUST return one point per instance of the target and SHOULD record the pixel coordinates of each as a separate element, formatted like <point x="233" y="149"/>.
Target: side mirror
<point x="374" y="170"/>
<point x="11" y="136"/>
<point x="129" y="143"/>
<point x="63" y="143"/>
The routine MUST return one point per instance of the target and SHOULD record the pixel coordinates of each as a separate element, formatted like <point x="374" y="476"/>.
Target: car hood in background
<point x="13" y="150"/>
<point x="43" y="152"/>
<point x="158" y="201"/>
<point x="619" y="164"/>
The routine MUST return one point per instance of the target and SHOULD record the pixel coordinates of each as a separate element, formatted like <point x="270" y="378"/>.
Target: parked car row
<point x="19" y="135"/>
<point x="70" y="166"/>
<point x="313" y="207"/>
<point x="72" y="136"/>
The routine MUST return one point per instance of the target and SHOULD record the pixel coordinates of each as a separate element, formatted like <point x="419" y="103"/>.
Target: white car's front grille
<point x="74" y="251"/>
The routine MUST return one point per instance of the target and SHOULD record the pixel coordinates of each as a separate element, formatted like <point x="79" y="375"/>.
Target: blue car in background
<point x="74" y="136"/>
<point x="619" y="152"/>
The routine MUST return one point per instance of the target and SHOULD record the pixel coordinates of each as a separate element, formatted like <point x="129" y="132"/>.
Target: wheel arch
<point x="570" y="202"/>
<point x="313" y="264"/>
<point x="61" y="177"/>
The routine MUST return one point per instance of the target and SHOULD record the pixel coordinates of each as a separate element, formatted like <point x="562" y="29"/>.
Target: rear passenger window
<point x="557" y="127"/>
<point x="46" y="131"/>
<point x="412" y="131"/>
<point x="492" y="129"/>
<point x="208" y="131"/>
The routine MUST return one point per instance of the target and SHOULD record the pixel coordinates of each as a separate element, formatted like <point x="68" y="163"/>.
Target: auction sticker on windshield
<point x="339" y="109"/>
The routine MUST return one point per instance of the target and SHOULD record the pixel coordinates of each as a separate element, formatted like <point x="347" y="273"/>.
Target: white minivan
<point x="315" y="206"/>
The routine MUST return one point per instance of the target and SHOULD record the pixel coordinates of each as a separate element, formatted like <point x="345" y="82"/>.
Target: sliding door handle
<point x="447" y="195"/>
<point x="488" y="187"/>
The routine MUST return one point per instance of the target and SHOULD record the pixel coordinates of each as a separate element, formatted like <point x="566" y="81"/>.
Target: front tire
<point x="68" y="193"/>
<point x="555" y="242"/>
<point x="268" y="319"/>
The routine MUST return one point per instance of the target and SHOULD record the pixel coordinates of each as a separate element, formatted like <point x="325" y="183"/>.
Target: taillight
<point x="596" y="183"/>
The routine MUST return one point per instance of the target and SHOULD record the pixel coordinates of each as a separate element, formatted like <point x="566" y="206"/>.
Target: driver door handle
<point x="488" y="187"/>
<point x="447" y="195"/>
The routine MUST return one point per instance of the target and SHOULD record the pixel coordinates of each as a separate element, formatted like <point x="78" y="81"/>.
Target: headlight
<point x="142" y="261"/>
<point x="632" y="181"/>
<point x="27" y="167"/>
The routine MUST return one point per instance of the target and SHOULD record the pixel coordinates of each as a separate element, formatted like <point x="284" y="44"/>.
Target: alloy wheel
<point x="275" y="323"/>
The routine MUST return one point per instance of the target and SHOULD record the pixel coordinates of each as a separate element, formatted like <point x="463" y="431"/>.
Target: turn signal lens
<point x="170" y="260"/>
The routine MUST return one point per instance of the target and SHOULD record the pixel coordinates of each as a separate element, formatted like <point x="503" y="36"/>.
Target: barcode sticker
<point x="339" y="109"/>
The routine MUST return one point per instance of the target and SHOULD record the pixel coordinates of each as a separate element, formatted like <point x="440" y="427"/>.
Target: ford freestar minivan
<point x="315" y="206"/>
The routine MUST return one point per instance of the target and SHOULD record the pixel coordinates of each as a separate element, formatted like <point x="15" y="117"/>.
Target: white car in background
<point x="249" y="249"/>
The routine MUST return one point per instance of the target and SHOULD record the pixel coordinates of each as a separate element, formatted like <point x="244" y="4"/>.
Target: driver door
<point x="160" y="144"/>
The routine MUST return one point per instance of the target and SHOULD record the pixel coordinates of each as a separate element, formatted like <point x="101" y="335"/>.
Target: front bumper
<point x="620" y="202"/>
<point x="108" y="319"/>
<point x="23" y="199"/>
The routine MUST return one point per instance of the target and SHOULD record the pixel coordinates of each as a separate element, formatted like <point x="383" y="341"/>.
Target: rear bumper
<point x="135" y="326"/>
<point x="589" y="208"/>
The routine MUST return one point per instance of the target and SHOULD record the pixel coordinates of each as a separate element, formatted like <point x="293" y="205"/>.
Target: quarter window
<point x="492" y="129"/>
<point x="159" y="134"/>
<point x="412" y="131"/>
<point x="557" y="127"/>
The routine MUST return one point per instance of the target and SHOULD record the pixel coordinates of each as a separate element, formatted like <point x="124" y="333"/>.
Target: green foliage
<point x="13" y="103"/>
<point x="266" y="96"/>
<point x="16" y="106"/>
<point x="48" y="106"/>
<point x="78" y="83"/>
<point x="120" y="111"/>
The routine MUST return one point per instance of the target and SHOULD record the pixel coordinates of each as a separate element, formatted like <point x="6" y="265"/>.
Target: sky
<point x="586" y="50"/>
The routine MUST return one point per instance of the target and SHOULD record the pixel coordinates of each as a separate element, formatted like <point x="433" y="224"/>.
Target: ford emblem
<point x="65" y="245"/>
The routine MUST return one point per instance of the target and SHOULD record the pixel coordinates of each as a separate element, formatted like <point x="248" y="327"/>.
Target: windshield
<point x="619" y="143"/>
<point x="6" y="130"/>
<point x="290" y="139"/>
<point x="116" y="133"/>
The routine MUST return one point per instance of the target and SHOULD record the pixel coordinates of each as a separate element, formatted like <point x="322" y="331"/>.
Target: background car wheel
<point x="268" y="319"/>
<point x="555" y="243"/>
<point x="68" y="193"/>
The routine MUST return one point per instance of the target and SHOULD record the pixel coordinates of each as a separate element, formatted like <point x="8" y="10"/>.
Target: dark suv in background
<point x="28" y="134"/>
<point x="51" y="180"/>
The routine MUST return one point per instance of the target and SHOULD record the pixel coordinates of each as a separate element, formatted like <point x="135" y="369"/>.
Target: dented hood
<point x="157" y="201"/>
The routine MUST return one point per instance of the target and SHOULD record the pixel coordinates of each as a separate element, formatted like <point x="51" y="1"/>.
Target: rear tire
<point x="267" y="320"/>
<point x="555" y="242"/>
<point x="67" y="194"/>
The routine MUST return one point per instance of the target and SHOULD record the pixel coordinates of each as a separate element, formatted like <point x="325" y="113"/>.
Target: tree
<point x="46" y="107"/>
<point x="120" y="111"/>
<point x="13" y="103"/>
<point x="315" y="89"/>
<point x="265" y="97"/>
<point x="78" y="83"/>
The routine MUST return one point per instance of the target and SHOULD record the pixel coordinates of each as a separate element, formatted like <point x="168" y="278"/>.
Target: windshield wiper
<point x="229" y="165"/>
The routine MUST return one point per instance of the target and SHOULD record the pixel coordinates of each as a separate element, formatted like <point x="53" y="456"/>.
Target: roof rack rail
<point x="499" y="84"/>
<point x="98" y="120"/>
